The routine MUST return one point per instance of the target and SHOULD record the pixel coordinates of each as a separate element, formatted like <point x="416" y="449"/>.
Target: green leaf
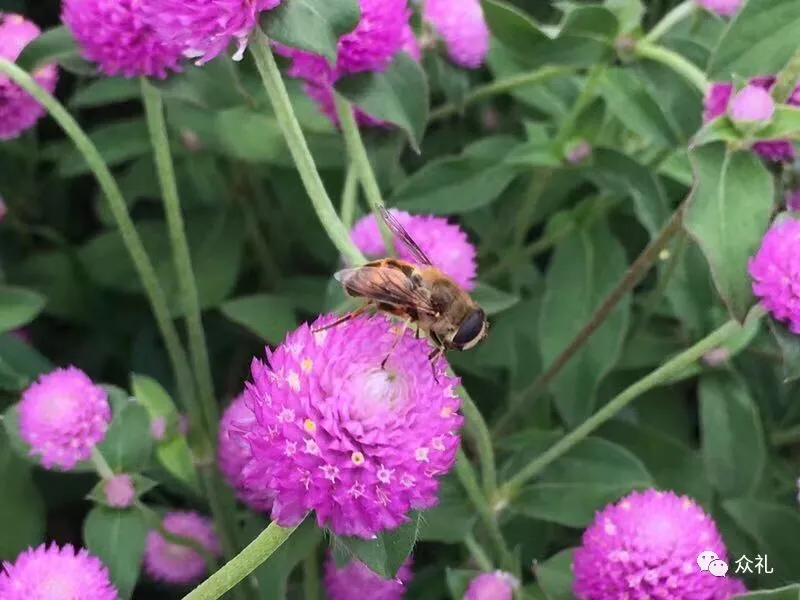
<point x="732" y="439"/>
<point x="18" y="307"/>
<point x="117" y="538"/>
<point x="789" y="344"/>
<point x="22" y="511"/>
<point x="312" y="25"/>
<point x="458" y="581"/>
<point x="128" y="444"/>
<point x="107" y="90"/>
<point x="267" y="316"/>
<point x="20" y="364"/>
<point x="117" y="143"/>
<point x="459" y="184"/>
<point x="451" y="519"/>
<point x="755" y="41"/>
<point x="53" y="46"/>
<point x="630" y="100"/>
<point x="629" y="13"/>
<point x="173" y="452"/>
<point x="784" y="125"/>
<point x="584" y="269"/>
<point x="555" y="575"/>
<point x="399" y="94"/>
<point x="776" y="529"/>
<point x="385" y="554"/>
<point x="790" y="592"/>
<point x="492" y="300"/>
<point x="591" y="475"/>
<point x="727" y="214"/>
<point x="215" y="85"/>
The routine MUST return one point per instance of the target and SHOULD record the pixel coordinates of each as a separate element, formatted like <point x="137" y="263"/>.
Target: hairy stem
<point x="681" y="12"/>
<point x="674" y="61"/>
<point x="483" y="439"/>
<point x="478" y="553"/>
<point x="347" y="210"/>
<point x="298" y="147"/>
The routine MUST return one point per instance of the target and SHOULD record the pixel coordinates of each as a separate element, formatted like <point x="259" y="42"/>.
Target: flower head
<point x="647" y="545"/>
<point x="174" y="563"/>
<point x="158" y="427"/>
<point x="203" y="29"/>
<point x="18" y="109"/>
<point x="462" y="27"/>
<point x="445" y="244"/>
<point x="492" y="586"/>
<point x="717" y="103"/>
<point x="381" y="33"/>
<point x="120" y="491"/>
<point x="115" y="35"/>
<point x="234" y="452"/>
<point x="356" y="580"/>
<point x="774" y="270"/>
<point x="578" y="152"/>
<point x="63" y="416"/>
<point x="752" y="103"/>
<point x="336" y="432"/>
<point x="723" y="8"/>
<point x="53" y="572"/>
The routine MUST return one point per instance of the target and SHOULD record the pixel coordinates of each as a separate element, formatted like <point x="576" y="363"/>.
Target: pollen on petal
<point x="309" y="426"/>
<point x="357" y="458"/>
<point x="307" y="365"/>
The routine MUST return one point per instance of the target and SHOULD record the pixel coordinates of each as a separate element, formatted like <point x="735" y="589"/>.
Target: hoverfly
<point x="420" y="294"/>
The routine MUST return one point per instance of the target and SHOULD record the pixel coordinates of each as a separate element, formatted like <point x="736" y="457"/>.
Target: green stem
<point x="295" y="140"/>
<point x="674" y="61"/>
<point x="786" y="80"/>
<point x="786" y="437"/>
<point x="360" y="160"/>
<point x="586" y="95"/>
<point x="527" y="212"/>
<point x="101" y="465"/>
<point x="478" y="553"/>
<point x="347" y="211"/>
<point x="154" y="111"/>
<point x="483" y="440"/>
<point x="119" y="211"/>
<point x="500" y="86"/>
<point x="241" y="565"/>
<point x="681" y="12"/>
<point x="311" y="590"/>
<point x="466" y="475"/>
<point x="650" y="381"/>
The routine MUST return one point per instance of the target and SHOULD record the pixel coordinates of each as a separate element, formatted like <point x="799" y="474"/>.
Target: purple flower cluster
<point x="336" y="433"/>
<point x="720" y="99"/>
<point x="18" y="109"/>
<point x="646" y="546"/>
<point x="356" y="580"/>
<point x="53" y="572"/>
<point x="174" y="563"/>
<point x="723" y="8"/>
<point x="492" y="586"/>
<point x="445" y="244"/>
<point x="461" y="26"/>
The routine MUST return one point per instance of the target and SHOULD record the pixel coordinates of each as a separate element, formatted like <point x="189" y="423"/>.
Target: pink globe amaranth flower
<point x="63" y="416"/>
<point x="120" y="491"/>
<point x="356" y="580"/>
<point x="411" y="43"/>
<point x="578" y="152"/>
<point x="174" y="563"/>
<point x="723" y="8"/>
<point x="646" y="546"/>
<point x="115" y="35"/>
<point x="752" y="103"/>
<point x="462" y="27"/>
<point x="445" y="244"/>
<point x="19" y="111"/>
<point x="203" y="29"/>
<point x="718" y="99"/>
<point x="233" y="452"/>
<point x="336" y="433"/>
<point x="53" y="572"/>
<point x="381" y="33"/>
<point x="774" y="270"/>
<point x="158" y="427"/>
<point x="492" y="586"/>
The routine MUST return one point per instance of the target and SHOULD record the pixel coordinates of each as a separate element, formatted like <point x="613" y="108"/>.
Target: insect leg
<point x="396" y="341"/>
<point x="434" y="357"/>
<point x="347" y="317"/>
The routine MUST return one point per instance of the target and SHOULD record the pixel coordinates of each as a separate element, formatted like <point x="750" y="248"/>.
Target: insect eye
<point x="470" y="328"/>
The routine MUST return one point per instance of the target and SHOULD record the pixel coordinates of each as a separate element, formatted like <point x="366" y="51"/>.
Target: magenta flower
<point x="336" y="433"/>
<point x="234" y="452"/>
<point x="203" y="29"/>
<point x="411" y="43"/>
<point x="717" y="103"/>
<point x="723" y="8"/>
<point x="19" y="111"/>
<point x="356" y="580"/>
<point x="115" y="35"/>
<point x="774" y="270"/>
<point x="462" y="27"/>
<point x="381" y="33"/>
<point x="120" y="491"/>
<point x="174" y="563"/>
<point x="578" y="152"/>
<point x="158" y="427"/>
<point x="63" y="416"/>
<point x="492" y="586"/>
<point x="752" y="104"/>
<point x="647" y="545"/>
<point x="53" y="572"/>
<point x="445" y="244"/>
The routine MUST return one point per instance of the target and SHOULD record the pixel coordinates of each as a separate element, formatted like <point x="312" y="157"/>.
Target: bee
<point x="418" y="293"/>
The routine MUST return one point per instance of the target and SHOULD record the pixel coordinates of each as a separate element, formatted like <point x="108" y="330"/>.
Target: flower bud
<point x="119" y="491"/>
<point x="752" y="106"/>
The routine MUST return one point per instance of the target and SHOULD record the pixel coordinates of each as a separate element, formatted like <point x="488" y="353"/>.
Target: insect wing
<point x="385" y="284"/>
<point x="402" y="235"/>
